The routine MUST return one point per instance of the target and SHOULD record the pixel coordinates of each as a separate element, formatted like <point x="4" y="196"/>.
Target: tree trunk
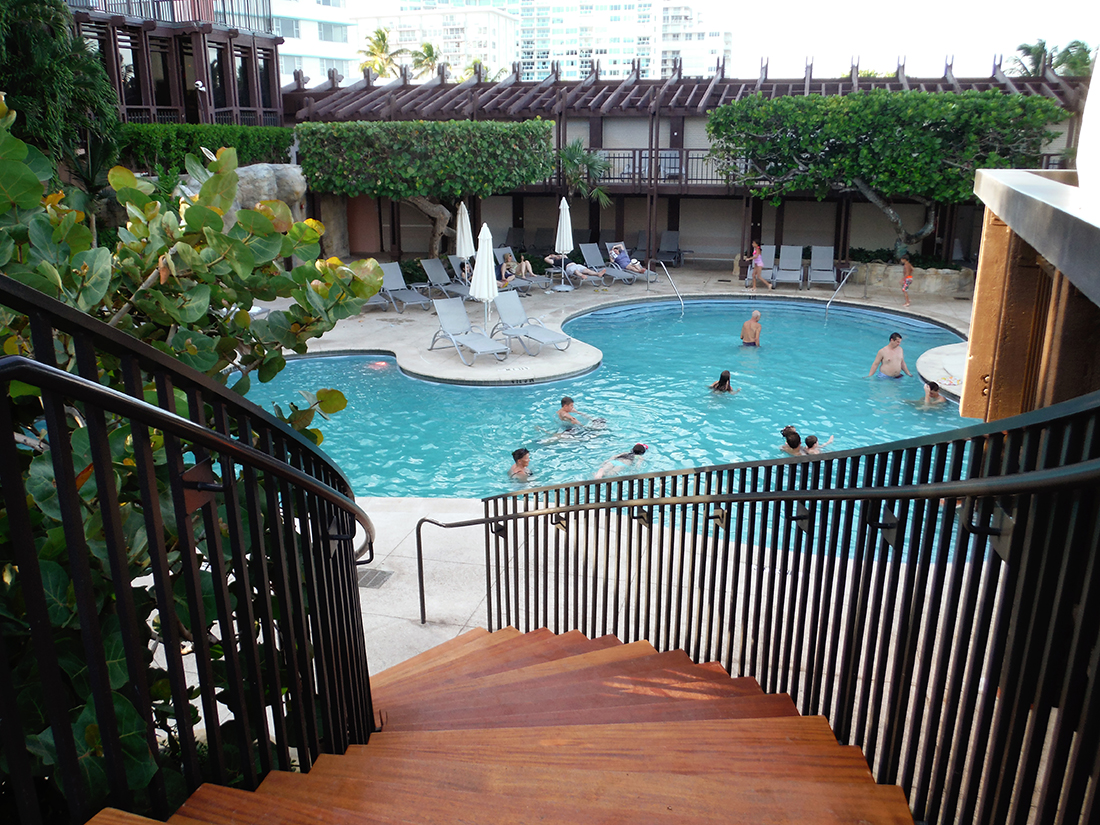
<point x="904" y="239"/>
<point x="441" y="217"/>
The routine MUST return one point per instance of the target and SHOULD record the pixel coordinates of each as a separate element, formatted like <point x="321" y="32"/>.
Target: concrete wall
<point x="871" y="230"/>
<point x="695" y="133"/>
<point x="497" y="212"/>
<point x="630" y="132"/>
<point x="712" y="227"/>
<point x="809" y="223"/>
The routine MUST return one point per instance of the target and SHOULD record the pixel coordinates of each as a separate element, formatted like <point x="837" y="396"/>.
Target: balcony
<point x="250" y="15"/>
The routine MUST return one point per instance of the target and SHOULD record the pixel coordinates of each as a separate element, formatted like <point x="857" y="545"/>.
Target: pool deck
<point x="455" y="558"/>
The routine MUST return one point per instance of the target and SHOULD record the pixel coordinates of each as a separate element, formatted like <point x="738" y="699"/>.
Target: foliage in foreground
<point x="182" y="283"/>
<point x="922" y="146"/>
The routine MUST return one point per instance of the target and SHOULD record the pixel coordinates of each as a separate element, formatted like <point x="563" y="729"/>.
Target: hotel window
<point x="332" y="32"/>
<point x="287" y="27"/>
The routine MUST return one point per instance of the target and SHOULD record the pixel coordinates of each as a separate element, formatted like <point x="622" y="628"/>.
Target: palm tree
<point x="581" y="170"/>
<point x="378" y="55"/>
<point x="468" y="72"/>
<point x="426" y="59"/>
<point x="1031" y="60"/>
<point x="1075" y="60"/>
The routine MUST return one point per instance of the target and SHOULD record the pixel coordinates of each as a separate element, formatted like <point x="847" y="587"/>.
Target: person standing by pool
<point x="750" y="330"/>
<point x="756" y="267"/>
<point x="616" y="464"/>
<point x="521" y="469"/>
<point x="723" y="384"/>
<point x="906" y="277"/>
<point x="890" y="361"/>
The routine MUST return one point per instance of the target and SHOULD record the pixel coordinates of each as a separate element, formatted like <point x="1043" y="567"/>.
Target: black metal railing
<point x="671" y="167"/>
<point x="252" y="15"/>
<point x="937" y="599"/>
<point x="179" y="591"/>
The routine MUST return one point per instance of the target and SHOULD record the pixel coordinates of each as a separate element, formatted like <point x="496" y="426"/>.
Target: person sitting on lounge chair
<point x="511" y="268"/>
<point x="622" y="259"/>
<point x="573" y="270"/>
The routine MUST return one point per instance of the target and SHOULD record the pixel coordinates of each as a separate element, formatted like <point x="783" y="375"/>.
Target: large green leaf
<point x="198" y="217"/>
<point x="220" y="191"/>
<point x="39" y="165"/>
<point x="11" y="147"/>
<point x="192" y="305"/>
<point x="94" y="280"/>
<point x="254" y="222"/>
<point x="19" y="186"/>
<point x="60" y="600"/>
<point x="195" y="349"/>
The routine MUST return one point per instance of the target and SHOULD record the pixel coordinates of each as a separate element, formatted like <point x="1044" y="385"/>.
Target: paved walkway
<point x="454" y="558"/>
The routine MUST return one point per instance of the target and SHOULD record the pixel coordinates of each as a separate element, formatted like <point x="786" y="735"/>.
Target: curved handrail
<point x="18" y="367"/>
<point x="847" y="274"/>
<point x="1027" y="482"/>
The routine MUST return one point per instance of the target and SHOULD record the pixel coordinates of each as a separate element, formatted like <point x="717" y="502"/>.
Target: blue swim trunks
<point x="881" y="374"/>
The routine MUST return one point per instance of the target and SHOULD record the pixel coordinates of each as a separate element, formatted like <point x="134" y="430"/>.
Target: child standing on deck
<point x="906" y="277"/>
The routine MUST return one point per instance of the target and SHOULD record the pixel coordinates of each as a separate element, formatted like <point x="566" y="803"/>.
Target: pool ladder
<point x="847" y="274"/>
<point x="675" y="288"/>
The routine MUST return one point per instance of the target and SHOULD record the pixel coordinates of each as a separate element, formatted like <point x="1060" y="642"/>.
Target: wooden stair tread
<point x="654" y="710"/>
<point x="573" y="676"/>
<point x="582" y="796"/>
<point x="215" y="805"/>
<point x="113" y="816"/>
<point x="530" y="649"/>
<point x="449" y="651"/>
<point x="690" y="734"/>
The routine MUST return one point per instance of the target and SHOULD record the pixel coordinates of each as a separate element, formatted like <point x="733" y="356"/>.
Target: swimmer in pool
<point x="624" y="461"/>
<point x="890" y="361"/>
<point x="750" y="330"/>
<point x="814" y="447"/>
<point x="932" y="395"/>
<point x="793" y="443"/>
<point x="521" y="470"/>
<point x="723" y="384"/>
<point x="568" y="413"/>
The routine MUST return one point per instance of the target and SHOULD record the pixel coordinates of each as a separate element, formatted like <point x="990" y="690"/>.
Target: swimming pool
<point x="400" y="436"/>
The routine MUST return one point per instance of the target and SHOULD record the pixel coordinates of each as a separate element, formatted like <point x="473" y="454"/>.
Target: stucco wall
<point x="712" y="227"/>
<point x="809" y="223"/>
<point x="630" y="133"/>
<point x="497" y="212"/>
<point x="871" y="230"/>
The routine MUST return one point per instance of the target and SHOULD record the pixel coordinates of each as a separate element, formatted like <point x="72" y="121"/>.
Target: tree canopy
<point x="380" y="58"/>
<point x="923" y="146"/>
<point x="57" y="84"/>
<point x="425" y="162"/>
<point x="1074" y="60"/>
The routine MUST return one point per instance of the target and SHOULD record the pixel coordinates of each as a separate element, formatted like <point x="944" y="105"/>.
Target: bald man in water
<point x="750" y="330"/>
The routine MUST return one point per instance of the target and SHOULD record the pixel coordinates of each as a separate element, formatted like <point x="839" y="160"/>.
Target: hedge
<point x="148" y="146"/>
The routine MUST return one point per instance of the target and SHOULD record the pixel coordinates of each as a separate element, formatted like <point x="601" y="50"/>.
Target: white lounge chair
<point x="397" y="291"/>
<point x="455" y="327"/>
<point x="789" y="269"/>
<point x="822" y="268"/>
<point x="438" y="278"/>
<point x="516" y="325"/>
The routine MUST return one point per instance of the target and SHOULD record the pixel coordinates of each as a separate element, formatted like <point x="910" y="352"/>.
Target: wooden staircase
<point x="516" y="728"/>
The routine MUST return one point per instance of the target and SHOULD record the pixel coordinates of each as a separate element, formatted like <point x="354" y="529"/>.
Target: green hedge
<point x="435" y="159"/>
<point x="148" y="147"/>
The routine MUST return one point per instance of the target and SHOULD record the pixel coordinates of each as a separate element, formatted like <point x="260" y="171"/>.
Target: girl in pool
<point x="757" y="267"/>
<point x="723" y="384"/>
<point x="624" y="461"/>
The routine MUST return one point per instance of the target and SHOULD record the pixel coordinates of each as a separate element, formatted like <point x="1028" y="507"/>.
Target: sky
<point x="923" y="33"/>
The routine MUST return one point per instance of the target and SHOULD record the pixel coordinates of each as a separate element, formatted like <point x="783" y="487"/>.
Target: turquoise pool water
<point x="403" y="437"/>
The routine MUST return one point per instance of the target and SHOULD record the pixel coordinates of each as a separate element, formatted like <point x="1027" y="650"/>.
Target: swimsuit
<point x="749" y="344"/>
<point x="881" y="374"/>
<point x="905" y="283"/>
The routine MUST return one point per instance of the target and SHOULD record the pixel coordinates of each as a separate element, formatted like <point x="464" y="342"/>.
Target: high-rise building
<point x="318" y="35"/>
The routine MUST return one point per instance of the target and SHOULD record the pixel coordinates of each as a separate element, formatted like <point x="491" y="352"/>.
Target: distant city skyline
<point x="924" y="34"/>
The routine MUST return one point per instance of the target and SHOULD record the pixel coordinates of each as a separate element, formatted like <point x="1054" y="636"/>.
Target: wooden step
<point x="506" y="795"/>
<point x="215" y="805"/>
<point x="653" y="710"/>
<point x="440" y="655"/>
<point x="645" y="679"/>
<point x="113" y="816"/>
<point x="529" y="649"/>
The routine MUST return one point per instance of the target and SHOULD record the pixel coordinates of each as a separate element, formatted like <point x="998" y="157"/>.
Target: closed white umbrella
<point x="483" y="284"/>
<point x="464" y="234"/>
<point x="563" y="241"/>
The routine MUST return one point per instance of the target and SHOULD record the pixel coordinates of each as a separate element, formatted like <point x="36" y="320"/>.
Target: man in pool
<point x="521" y="469"/>
<point x="890" y="361"/>
<point x="750" y="330"/>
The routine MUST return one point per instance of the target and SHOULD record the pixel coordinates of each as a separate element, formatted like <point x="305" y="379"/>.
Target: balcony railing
<point x="669" y="167"/>
<point x="935" y="598"/>
<point x="180" y="602"/>
<point x="251" y="15"/>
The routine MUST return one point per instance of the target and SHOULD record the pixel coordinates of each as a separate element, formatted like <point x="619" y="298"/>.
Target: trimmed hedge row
<point x="153" y="147"/>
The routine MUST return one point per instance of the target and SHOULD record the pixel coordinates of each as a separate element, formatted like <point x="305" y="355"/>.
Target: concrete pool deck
<point x="454" y="564"/>
<point x="407" y="335"/>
